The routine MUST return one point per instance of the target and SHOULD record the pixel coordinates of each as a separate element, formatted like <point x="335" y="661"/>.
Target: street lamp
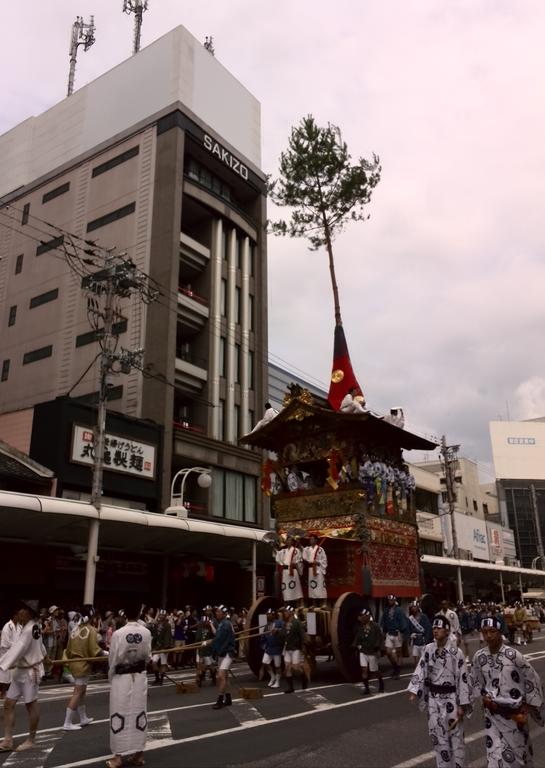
<point x="204" y="480"/>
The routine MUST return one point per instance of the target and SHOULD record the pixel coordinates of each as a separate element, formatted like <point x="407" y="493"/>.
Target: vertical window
<point x="26" y="211"/>
<point x="19" y="264"/>
<point x="221" y="420"/>
<point x="234" y="496"/>
<point x="236" y="424"/>
<point x="237" y="363"/>
<point x="250" y="515"/>
<point x="12" y="315"/>
<point x="251" y="417"/>
<point x="5" y="370"/>
<point x="240" y="245"/>
<point x="224" y="245"/>
<point x="237" y="305"/>
<point x="252" y="259"/>
<point x="250" y="369"/>
<point x="251" y="313"/>
<point x="223" y="297"/>
<point x="218" y="496"/>
<point x="222" y="356"/>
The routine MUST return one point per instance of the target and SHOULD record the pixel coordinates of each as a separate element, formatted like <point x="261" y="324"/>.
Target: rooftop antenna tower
<point x="82" y="34"/>
<point x="137" y="7"/>
<point x="209" y="44"/>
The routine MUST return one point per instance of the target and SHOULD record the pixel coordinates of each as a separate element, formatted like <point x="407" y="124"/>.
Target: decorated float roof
<point x="301" y="419"/>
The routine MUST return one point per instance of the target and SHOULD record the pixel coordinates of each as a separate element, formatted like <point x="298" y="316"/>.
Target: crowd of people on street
<point x="70" y="646"/>
<point x="65" y="647"/>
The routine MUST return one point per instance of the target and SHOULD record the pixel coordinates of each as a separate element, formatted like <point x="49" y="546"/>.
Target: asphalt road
<point x="330" y="724"/>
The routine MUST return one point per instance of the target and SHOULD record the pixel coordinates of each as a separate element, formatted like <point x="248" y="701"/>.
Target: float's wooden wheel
<point x="254" y="652"/>
<point x="344" y="623"/>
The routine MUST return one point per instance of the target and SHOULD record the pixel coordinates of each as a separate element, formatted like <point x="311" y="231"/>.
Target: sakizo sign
<point x="226" y="157"/>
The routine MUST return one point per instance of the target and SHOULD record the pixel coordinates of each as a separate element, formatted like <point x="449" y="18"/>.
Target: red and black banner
<point x="342" y="375"/>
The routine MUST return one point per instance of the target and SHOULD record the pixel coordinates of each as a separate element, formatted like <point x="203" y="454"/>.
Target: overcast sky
<point x="442" y="290"/>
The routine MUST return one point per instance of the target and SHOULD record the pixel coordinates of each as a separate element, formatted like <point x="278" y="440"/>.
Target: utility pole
<point x="82" y="34"/>
<point x="118" y="279"/>
<point x="449" y="454"/>
<point x="137" y="7"/>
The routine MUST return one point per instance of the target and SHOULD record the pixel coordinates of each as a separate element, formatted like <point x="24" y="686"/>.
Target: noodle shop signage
<point x="121" y="454"/>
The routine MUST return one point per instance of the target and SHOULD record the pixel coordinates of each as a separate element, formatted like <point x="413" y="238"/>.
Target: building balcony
<point x="193" y="255"/>
<point x="189" y="377"/>
<point x="193" y="310"/>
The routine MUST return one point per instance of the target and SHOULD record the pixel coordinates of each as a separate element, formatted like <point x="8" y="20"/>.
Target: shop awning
<point x="50" y="520"/>
<point x="435" y="559"/>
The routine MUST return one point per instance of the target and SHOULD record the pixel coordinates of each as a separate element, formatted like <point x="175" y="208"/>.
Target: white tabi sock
<point x="68" y="716"/>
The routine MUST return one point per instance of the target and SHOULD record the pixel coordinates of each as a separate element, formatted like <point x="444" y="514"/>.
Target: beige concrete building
<point x="471" y="497"/>
<point x="158" y="158"/>
<point x="518" y="449"/>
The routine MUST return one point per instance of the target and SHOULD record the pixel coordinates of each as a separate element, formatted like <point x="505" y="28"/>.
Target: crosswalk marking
<point x="36" y="757"/>
<point x="315" y="700"/>
<point x="158" y="729"/>
<point x="263" y="723"/>
<point x="246" y="713"/>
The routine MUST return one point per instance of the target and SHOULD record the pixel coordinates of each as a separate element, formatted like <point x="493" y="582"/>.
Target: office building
<point x="518" y="449"/>
<point x="158" y="158"/>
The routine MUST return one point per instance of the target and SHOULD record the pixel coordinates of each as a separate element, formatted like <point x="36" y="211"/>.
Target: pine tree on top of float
<point x="317" y="181"/>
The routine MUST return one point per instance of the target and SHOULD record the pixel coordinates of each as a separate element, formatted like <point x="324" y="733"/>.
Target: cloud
<point x="530" y="399"/>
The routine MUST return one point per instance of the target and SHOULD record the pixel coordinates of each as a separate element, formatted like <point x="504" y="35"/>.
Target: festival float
<point x="336" y="471"/>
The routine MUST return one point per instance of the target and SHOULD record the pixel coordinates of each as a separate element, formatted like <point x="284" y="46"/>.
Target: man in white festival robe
<point x="130" y="651"/>
<point x="511" y="690"/>
<point x="291" y="561"/>
<point x="440" y="683"/>
<point x="10" y="632"/>
<point x="315" y="557"/>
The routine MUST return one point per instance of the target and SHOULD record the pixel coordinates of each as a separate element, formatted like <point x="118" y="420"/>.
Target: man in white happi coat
<point x="291" y="561"/>
<point x="315" y="557"/>
<point x="25" y="660"/>
<point x="10" y="632"/>
<point x="440" y="683"/>
<point x="511" y="690"/>
<point x="130" y="651"/>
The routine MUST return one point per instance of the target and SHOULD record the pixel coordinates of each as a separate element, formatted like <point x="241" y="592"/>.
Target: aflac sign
<point x="471" y="534"/>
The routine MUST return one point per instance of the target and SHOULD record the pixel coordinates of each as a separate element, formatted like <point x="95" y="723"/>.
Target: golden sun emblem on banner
<point x="337" y="376"/>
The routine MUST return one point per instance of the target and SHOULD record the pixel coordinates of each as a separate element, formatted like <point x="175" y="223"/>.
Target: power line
<point x="93" y="361"/>
<point x="90" y="247"/>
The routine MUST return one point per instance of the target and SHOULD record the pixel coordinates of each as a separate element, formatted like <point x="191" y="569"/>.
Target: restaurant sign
<point x="121" y="454"/>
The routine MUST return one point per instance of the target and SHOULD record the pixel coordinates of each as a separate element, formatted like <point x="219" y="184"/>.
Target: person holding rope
<point x="223" y="646"/>
<point x="25" y="660"/>
<point x="82" y="644"/>
<point x="206" y="629"/>
<point x="293" y="647"/>
<point x="10" y="631"/>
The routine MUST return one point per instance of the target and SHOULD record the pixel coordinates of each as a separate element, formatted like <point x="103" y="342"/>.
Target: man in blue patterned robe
<point x="440" y="683"/>
<point x="511" y="690"/>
